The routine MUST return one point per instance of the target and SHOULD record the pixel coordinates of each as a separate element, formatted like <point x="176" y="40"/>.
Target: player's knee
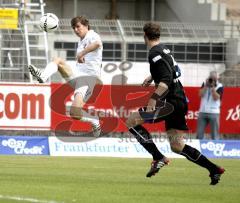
<point x="58" y="60"/>
<point x="75" y="113"/>
<point x="177" y="147"/>
<point x="63" y="68"/>
<point x="176" y="140"/>
<point x="134" y="119"/>
<point x="130" y="122"/>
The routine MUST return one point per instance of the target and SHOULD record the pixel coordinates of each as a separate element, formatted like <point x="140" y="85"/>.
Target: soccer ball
<point x="49" y="22"/>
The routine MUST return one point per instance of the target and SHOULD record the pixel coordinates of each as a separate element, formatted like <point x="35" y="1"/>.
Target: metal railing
<point x="123" y="40"/>
<point x="179" y="32"/>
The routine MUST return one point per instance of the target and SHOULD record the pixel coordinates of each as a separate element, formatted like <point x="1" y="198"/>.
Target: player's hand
<point x="147" y="81"/>
<point x="151" y="105"/>
<point x="80" y="58"/>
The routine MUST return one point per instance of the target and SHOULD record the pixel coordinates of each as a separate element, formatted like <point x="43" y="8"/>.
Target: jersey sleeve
<point x="160" y="70"/>
<point x="94" y="38"/>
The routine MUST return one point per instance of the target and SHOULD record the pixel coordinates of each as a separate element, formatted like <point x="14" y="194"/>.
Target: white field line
<point x="25" y="199"/>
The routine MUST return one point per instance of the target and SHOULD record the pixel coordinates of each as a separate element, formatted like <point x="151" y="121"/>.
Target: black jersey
<point x="164" y="69"/>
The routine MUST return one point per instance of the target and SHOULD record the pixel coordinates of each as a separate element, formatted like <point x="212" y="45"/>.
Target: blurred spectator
<point x="211" y="94"/>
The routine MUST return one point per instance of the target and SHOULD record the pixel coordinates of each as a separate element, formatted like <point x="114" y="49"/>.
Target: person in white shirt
<point x="211" y="94"/>
<point x="84" y="74"/>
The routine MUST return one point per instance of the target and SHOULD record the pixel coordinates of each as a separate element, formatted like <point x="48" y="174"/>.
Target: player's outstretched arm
<point x="91" y="47"/>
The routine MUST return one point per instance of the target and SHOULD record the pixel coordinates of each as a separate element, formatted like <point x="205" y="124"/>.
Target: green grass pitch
<point x="112" y="180"/>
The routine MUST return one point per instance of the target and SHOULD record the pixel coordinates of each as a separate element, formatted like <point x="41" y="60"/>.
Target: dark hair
<point x="152" y="31"/>
<point x="82" y="19"/>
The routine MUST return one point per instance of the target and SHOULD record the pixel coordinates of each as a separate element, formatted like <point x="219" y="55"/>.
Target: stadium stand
<point x="190" y="42"/>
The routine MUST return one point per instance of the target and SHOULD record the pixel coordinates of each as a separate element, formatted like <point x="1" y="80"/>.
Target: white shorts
<point x="85" y="79"/>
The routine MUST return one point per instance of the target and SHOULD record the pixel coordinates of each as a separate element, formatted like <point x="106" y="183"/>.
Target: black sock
<point x="144" y="138"/>
<point x="195" y="156"/>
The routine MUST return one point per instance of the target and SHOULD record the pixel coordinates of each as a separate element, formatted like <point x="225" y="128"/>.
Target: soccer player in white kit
<point x="86" y="70"/>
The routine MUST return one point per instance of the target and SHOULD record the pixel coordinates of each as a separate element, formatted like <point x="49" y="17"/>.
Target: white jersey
<point x="93" y="60"/>
<point x="208" y="104"/>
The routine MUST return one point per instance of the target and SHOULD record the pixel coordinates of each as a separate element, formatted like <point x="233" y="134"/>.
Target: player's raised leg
<point x="58" y="64"/>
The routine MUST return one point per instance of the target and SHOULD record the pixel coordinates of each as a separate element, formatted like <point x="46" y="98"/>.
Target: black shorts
<point x="172" y="112"/>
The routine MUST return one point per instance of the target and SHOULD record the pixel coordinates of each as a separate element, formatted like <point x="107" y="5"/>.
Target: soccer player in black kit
<point x="167" y="103"/>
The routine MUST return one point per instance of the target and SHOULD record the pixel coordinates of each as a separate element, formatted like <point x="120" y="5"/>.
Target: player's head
<point x="151" y="31"/>
<point x="213" y="75"/>
<point x="80" y="26"/>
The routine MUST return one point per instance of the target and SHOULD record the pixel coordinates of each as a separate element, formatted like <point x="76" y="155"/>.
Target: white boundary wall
<point x="192" y="74"/>
<point x="109" y="147"/>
